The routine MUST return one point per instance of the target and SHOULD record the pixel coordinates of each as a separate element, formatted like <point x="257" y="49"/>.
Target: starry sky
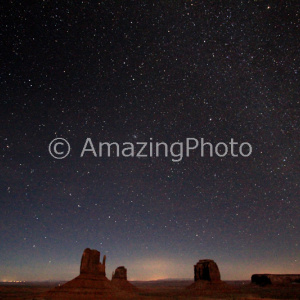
<point x="128" y="71"/>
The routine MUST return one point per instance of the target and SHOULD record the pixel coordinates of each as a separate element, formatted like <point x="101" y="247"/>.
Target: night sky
<point x="135" y="71"/>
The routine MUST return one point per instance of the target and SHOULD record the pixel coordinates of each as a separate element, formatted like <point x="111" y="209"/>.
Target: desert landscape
<point x="92" y="283"/>
<point x="163" y="134"/>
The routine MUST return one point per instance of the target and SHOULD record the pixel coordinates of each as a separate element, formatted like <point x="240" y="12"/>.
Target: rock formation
<point x="120" y="273"/>
<point x="264" y="279"/>
<point x="90" y="263"/>
<point x="91" y="283"/>
<point x="207" y="269"/>
<point x="119" y="279"/>
<point x="207" y="276"/>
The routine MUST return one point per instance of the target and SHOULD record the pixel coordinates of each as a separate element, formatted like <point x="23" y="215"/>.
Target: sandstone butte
<point x="92" y="282"/>
<point x="275" y="279"/>
<point x="207" y="276"/>
<point x="119" y="279"/>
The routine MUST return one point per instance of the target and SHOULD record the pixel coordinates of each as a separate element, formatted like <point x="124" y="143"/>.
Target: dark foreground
<point x="175" y="289"/>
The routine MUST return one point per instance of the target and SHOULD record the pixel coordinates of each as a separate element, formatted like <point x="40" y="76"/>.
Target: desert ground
<point x="166" y="289"/>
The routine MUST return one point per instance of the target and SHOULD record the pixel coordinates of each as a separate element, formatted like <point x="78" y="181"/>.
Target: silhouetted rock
<point x="119" y="279"/>
<point x="206" y="269"/>
<point x="90" y="263"/>
<point x="207" y="277"/>
<point x="264" y="279"/>
<point x="91" y="283"/>
<point x="120" y="273"/>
